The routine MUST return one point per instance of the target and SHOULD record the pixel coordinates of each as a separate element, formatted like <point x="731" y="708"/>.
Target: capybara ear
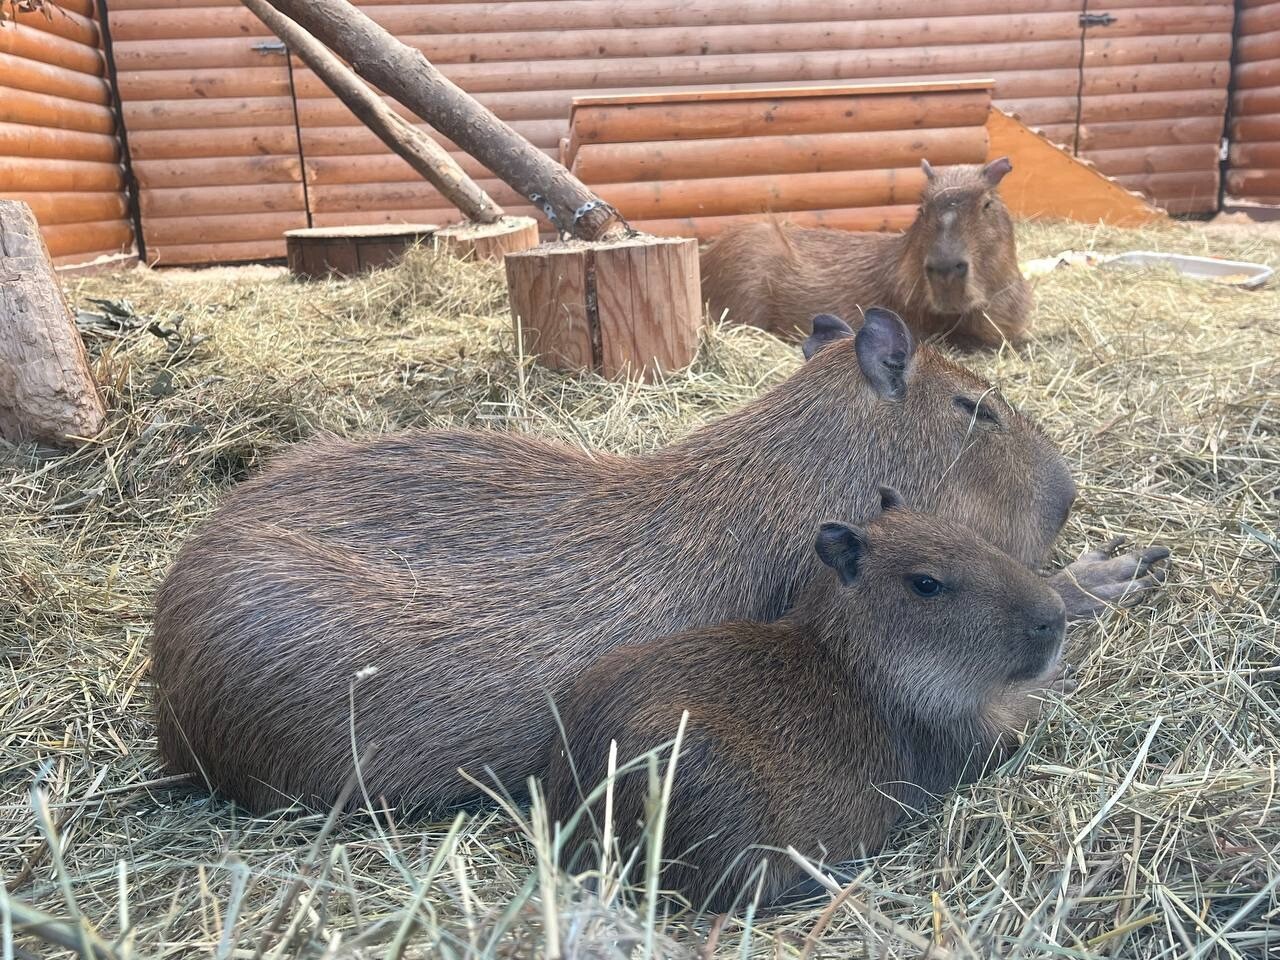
<point x="890" y="499"/>
<point x="996" y="169"/>
<point x="927" y="168"/>
<point x="840" y="547"/>
<point x="885" y="347"/>
<point x="827" y="328"/>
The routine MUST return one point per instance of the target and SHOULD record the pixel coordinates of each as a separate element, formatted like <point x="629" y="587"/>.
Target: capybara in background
<point x="953" y="273"/>
<point x="479" y="572"/>
<point x="901" y="671"/>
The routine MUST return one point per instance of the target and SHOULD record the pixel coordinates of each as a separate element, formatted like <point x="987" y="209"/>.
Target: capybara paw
<point x="1105" y="578"/>
<point x="1061" y="678"/>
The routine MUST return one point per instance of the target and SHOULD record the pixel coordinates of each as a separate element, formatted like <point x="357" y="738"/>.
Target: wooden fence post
<point x="47" y="391"/>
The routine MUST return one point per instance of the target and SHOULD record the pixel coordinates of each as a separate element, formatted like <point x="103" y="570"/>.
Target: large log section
<point x="632" y="301"/>
<point x="1254" y="172"/>
<point x="47" y="391"/>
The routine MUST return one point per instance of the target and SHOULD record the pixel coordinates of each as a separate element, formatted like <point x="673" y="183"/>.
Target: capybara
<point x="903" y="669"/>
<point x="479" y="572"/>
<point x="953" y="273"/>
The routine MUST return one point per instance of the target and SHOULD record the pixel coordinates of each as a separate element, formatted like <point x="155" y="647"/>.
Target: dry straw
<point x="1141" y="818"/>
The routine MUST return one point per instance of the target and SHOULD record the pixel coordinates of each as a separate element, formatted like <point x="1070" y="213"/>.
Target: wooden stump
<point x="488" y="241"/>
<point x="320" y="252"/>
<point x="621" y="308"/>
<point x="47" y="391"/>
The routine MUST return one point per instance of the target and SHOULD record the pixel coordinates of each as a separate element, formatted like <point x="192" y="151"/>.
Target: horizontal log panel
<point x="85" y="241"/>
<point x="201" y="254"/>
<point x="326" y="110"/>
<point x="735" y="195"/>
<point x="1159" y="159"/>
<point x="218" y="142"/>
<point x="28" y="174"/>
<point x="742" y="39"/>
<point x="1262" y="127"/>
<point x="959" y="61"/>
<point x="1037" y="111"/>
<point x="54" y="81"/>
<point x="758" y="156"/>
<point x="61" y="21"/>
<point x="1252" y="4"/>
<point x="383" y="168"/>
<point x="26" y="140"/>
<point x="1257" y="156"/>
<point x="409" y="194"/>
<point x="55" y="208"/>
<point x="1105" y="51"/>
<point x="1153" y="106"/>
<point x="1163" y="20"/>
<point x="201" y="201"/>
<point x="687" y="121"/>
<point x="32" y="43"/>
<point x="1252" y="76"/>
<point x="1257" y="19"/>
<point x="168" y="21"/>
<point x="184" y="24"/>
<point x="1153" y="78"/>
<point x="1251" y="103"/>
<point x="1249" y="183"/>
<point x="193" y="54"/>
<point x="343" y="141"/>
<point x="879" y="219"/>
<point x="1260" y="46"/>
<point x="42" y="110"/>
<point x="227" y="82"/>
<point x="217" y="171"/>
<point x="1140" y="133"/>
<point x="220" y="228"/>
<point x="1201" y="186"/>
<point x="202" y="114"/>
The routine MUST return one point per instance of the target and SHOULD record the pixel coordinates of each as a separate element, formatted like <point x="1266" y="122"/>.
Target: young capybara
<point x="954" y="272"/>
<point x="902" y="670"/>
<point x="479" y="572"/>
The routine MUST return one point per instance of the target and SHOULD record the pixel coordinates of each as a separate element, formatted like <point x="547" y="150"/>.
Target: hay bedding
<point x="1142" y="819"/>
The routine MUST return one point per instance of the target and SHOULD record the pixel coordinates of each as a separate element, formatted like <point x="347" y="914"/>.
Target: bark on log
<point x="421" y="152"/>
<point x="407" y="75"/>
<point x="47" y="391"/>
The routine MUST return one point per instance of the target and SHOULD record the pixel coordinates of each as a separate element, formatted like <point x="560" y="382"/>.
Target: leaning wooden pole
<point x="405" y="74"/>
<point x="421" y="152"/>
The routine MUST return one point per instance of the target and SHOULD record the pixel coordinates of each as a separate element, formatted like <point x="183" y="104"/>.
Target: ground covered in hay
<point x="1142" y="819"/>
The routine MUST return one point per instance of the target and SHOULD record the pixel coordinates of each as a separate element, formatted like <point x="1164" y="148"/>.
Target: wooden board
<point x="1046" y="181"/>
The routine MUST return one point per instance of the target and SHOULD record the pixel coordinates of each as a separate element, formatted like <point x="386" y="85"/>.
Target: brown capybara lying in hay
<point x="480" y="572"/>
<point x="903" y="669"/>
<point x="953" y="273"/>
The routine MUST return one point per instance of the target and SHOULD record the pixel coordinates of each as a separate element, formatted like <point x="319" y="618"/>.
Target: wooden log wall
<point x="838" y="155"/>
<point x="1154" y="96"/>
<point x="1254" y="170"/>
<point x="213" y="137"/>
<point x="59" y="151"/>
<point x="214" y="112"/>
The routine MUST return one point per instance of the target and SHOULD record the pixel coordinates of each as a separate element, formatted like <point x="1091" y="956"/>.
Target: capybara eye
<point x="976" y="410"/>
<point x="925" y="585"/>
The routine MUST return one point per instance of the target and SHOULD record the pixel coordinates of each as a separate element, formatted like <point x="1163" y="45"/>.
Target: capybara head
<point x="945" y="620"/>
<point x="961" y="246"/>
<point x="957" y="447"/>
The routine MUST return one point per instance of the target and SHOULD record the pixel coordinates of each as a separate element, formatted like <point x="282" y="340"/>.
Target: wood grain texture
<point x="47" y="390"/>
<point x="487" y="241"/>
<point x="547" y="286"/>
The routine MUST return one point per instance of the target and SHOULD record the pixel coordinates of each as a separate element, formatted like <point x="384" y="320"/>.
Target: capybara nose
<point x="1049" y="626"/>
<point x="947" y="268"/>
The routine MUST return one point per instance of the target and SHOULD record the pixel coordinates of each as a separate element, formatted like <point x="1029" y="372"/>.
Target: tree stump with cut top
<point x="488" y="241"/>
<point x="620" y="308"/>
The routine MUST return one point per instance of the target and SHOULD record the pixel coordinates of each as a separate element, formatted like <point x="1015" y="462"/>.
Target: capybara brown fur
<point x="953" y="273"/>
<point x="479" y="572"/>
<point x="905" y="668"/>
